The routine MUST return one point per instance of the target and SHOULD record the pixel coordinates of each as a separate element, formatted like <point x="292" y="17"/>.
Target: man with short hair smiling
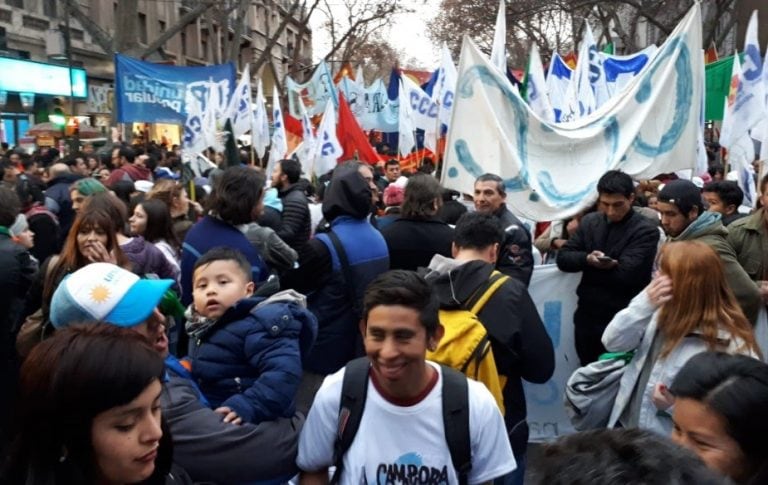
<point x="614" y="248"/>
<point x="401" y="436"/>
<point x="515" y="255"/>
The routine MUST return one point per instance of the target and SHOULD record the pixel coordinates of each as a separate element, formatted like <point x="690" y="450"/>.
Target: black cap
<point x="682" y="193"/>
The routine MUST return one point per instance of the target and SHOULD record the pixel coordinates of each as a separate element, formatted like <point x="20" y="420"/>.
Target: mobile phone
<point x="604" y="259"/>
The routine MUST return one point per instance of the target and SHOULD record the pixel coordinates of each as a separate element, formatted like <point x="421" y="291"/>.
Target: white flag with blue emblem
<point x="279" y="140"/>
<point x="445" y="88"/>
<point x="260" y="128"/>
<point x="328" y="147"/>
<point x="536" y="87"/>
<point x="558" y="80"/>
<point x="308" y="145"/>
<point x="240" y="111"/>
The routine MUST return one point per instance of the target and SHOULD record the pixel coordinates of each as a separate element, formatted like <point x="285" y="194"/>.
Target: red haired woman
<point x="685" y="310"/>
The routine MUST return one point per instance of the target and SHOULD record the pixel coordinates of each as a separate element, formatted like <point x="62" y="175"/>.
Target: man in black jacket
<point x="18" y="272"/>
<point x="296" y="222"/>
<point x="515" y="257"/>
<point x="614" y="248"/>
<point x="521" y="346"/>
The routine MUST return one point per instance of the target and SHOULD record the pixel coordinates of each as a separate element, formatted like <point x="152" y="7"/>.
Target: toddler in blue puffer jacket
<point x="246" y="351"/>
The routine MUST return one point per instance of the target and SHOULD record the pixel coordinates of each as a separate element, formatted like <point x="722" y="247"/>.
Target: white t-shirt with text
<point x="405" y="445"/>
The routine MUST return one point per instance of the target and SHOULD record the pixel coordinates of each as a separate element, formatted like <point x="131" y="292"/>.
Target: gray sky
<point x="406" y="33"/>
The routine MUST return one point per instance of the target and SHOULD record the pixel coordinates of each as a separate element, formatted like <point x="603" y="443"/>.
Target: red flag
<point x="351" y="137"/>
<point x="710" y="55"/>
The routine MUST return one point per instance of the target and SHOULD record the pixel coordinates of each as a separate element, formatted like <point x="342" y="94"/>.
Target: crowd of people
<point x="254" y="326"/>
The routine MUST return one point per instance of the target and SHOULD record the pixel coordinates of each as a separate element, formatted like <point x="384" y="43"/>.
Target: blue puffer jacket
<point x="250" y="360"/>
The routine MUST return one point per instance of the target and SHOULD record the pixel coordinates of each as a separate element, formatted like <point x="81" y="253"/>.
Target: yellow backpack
<point x="465" y="346"/>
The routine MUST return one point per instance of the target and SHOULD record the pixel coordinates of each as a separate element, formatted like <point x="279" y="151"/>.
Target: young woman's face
<point x="181" y="203"/>
<point x="126" y="438"/>
<point x="89" y="237"/>
<point x="138" y="221"/>
<point x="704" y="431"/>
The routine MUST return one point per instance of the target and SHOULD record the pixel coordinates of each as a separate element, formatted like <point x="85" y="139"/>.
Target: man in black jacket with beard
<point x="614" y="248"/>
<point x="295" y="228"/>
<point x="521" y="346"/>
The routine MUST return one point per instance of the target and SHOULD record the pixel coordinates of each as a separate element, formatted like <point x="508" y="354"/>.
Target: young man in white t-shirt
<point x="401" y="436"/>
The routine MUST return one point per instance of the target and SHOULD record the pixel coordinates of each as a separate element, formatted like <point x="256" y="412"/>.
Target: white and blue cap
<point x="105" y="292"/>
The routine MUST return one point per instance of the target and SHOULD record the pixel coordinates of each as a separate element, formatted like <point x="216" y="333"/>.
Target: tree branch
<point x="99" y="35"/>
<point x="266" y="53"/>
<point x="185" y="20"/>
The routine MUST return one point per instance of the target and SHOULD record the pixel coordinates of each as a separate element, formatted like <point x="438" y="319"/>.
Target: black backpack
<point x="354" y="389"/>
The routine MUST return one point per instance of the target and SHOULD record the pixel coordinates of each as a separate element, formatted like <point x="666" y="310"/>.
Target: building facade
<point x="37" y="30"/>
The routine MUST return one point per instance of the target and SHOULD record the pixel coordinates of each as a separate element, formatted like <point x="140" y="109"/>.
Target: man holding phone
<point x="614" y="248"/>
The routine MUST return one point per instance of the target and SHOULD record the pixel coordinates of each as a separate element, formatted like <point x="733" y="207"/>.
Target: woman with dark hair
<point x="418" y="234"/>
<point x="688" y="308"/>
<point x="145" y="258"/>
<point x="152" y="220"/>
<point x="720" y="404"/>
<point x="235" y="201"/>
<point x="89" y="411"/>
<point x="174" y="195"/>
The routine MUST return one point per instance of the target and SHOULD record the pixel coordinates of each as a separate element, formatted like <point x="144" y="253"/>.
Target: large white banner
<point x="554" y="293"/>
<point x="550" y="171"/>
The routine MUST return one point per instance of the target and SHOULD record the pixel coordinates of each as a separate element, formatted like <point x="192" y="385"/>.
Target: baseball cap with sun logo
<point x="105" y="292"/>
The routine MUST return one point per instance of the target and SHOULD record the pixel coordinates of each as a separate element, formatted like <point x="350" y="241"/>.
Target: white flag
<point x="536" y="90"/>
<point x="211" y="119"/>
<point x="359" y="77"/>
<point x="328" y="147"/>
<point x="240" y="111"/>
<point x="445" y="88"/>
<point x="422" y="111"/>
<point x="752" y="83"/>
<point x="279" y="140"/>
<point x="260" y="128"/>
<point x="499" y="48"/>
<point x="307" y="152"/>
<point x="732" y="128"/>
<point x="558" y="82"/>
<point x="405" y="122"/>
<point x="580" y="98"/>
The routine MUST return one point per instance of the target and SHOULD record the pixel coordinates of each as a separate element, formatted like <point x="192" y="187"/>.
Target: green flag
<point x="717" y="83"/>
<point x="609" y="48"/>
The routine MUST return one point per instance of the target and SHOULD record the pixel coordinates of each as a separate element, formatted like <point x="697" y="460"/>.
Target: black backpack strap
<point x="354" y="389"/>
<point x="346" y="270"/>
<point x="495" y="276"/>
<point x="456" y="421"/>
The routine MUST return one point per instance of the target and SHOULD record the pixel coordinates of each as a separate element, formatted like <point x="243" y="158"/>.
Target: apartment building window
<point x="15" y="3"/>
<point x="143" y="28"/>
<point x="161" y="25"/>
<point x="49" y="8"/>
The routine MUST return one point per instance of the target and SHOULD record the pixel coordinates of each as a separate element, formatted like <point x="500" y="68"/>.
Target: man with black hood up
<point x="335" y="292"/>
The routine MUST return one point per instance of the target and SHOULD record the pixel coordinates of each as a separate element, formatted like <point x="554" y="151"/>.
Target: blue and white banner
<point x="155" y="93"/>
<point x="554" y="293"/>
<point x="206" y="104"/>
<point x="314" y="93"/>
<point x="620" y="70"/>
<point x="240" y="110"/>
<point x="551" y="170"/>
